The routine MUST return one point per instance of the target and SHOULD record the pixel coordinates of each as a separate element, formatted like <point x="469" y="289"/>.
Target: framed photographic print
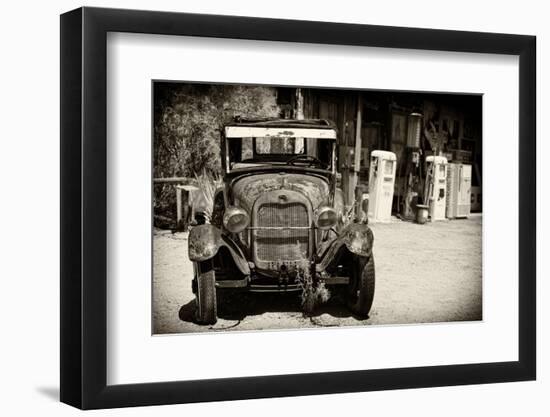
<point x="257" y="208"/>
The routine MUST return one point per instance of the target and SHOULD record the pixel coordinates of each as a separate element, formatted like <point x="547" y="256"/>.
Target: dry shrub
<point x="207" y="182"/>
<point x="313" y="293"/>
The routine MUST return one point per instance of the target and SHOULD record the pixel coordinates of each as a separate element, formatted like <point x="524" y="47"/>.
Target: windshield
<point x="275" y="146"/>
<point x="297" y="151"/>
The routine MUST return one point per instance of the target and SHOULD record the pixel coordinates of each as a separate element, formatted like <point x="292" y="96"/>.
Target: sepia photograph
<point x="292" y="207"/>
<point x="291" y="203"/>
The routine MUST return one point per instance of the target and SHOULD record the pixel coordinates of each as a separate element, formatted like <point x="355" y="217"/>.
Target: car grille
<point x="282" y="232"/>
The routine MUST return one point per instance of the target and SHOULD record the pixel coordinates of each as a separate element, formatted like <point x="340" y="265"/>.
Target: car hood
<point x="246" y="190"/>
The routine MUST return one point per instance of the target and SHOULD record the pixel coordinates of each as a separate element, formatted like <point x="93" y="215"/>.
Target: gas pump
<point x="436" y="186"/>
<point x="381" y="185"/>
<point x="459" y="185"/>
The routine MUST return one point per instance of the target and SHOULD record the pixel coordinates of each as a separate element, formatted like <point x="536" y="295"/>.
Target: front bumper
<point x="249" y="284"/>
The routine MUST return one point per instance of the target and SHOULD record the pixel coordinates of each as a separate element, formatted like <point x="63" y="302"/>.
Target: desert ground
<point x="424" y="274"/>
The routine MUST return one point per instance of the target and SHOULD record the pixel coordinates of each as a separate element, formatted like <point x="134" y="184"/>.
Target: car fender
<point x="357" y="238"/>
<point x="205" y="241"/>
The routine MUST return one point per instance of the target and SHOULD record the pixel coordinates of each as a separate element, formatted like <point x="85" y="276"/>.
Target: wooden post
<point x="345" y="154"/>
<point x="299" y="110"/>
<point x="189" y="202"/>
<point x="182" y="207"/>
<point x="357" y="161"/>
<point x="179" y="213"/>
<point x="299" y="114"/>
<point x="185" y="211"/>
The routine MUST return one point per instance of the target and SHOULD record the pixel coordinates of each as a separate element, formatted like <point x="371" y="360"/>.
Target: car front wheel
<point x="206" y="312"/>
<point x="361" y="287"/>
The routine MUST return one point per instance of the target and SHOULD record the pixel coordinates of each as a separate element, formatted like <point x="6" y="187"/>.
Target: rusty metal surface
<point x="358" y="239"/>
<point x="205" y="241"/>
<point x="282" y="231"/>
<point x="248" y="189"/>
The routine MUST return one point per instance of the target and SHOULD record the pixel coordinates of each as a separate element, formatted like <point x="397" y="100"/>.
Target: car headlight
<point x="325" y="218"/>
<point x="235" y="219"/>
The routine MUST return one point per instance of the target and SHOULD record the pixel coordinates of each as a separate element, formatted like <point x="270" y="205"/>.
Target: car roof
<point x="303" y="123"/>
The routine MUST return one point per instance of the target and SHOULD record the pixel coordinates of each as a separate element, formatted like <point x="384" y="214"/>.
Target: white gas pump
<point x="381" y="185"/>
<point x="436" y="183"/>
<point x="459" y="186"/>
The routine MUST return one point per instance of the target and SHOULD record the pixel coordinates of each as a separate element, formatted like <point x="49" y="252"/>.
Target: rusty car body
<point x="279" y="212"/>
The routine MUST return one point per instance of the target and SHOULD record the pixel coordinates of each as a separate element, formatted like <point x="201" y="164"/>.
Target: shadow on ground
<point x="238" y="306"/>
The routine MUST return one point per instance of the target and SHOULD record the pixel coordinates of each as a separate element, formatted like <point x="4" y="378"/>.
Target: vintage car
<point x="280" y="208"/>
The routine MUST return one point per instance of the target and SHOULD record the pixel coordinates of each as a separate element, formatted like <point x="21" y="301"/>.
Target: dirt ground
<point x="424" y="273"/>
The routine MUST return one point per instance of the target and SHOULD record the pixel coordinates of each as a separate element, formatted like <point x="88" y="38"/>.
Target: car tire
<point x="361" y="287"/>
<point x="206" y="312"/>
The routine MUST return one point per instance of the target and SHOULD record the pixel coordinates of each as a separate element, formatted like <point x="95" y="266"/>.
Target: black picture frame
<point x="84" y="207"/>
